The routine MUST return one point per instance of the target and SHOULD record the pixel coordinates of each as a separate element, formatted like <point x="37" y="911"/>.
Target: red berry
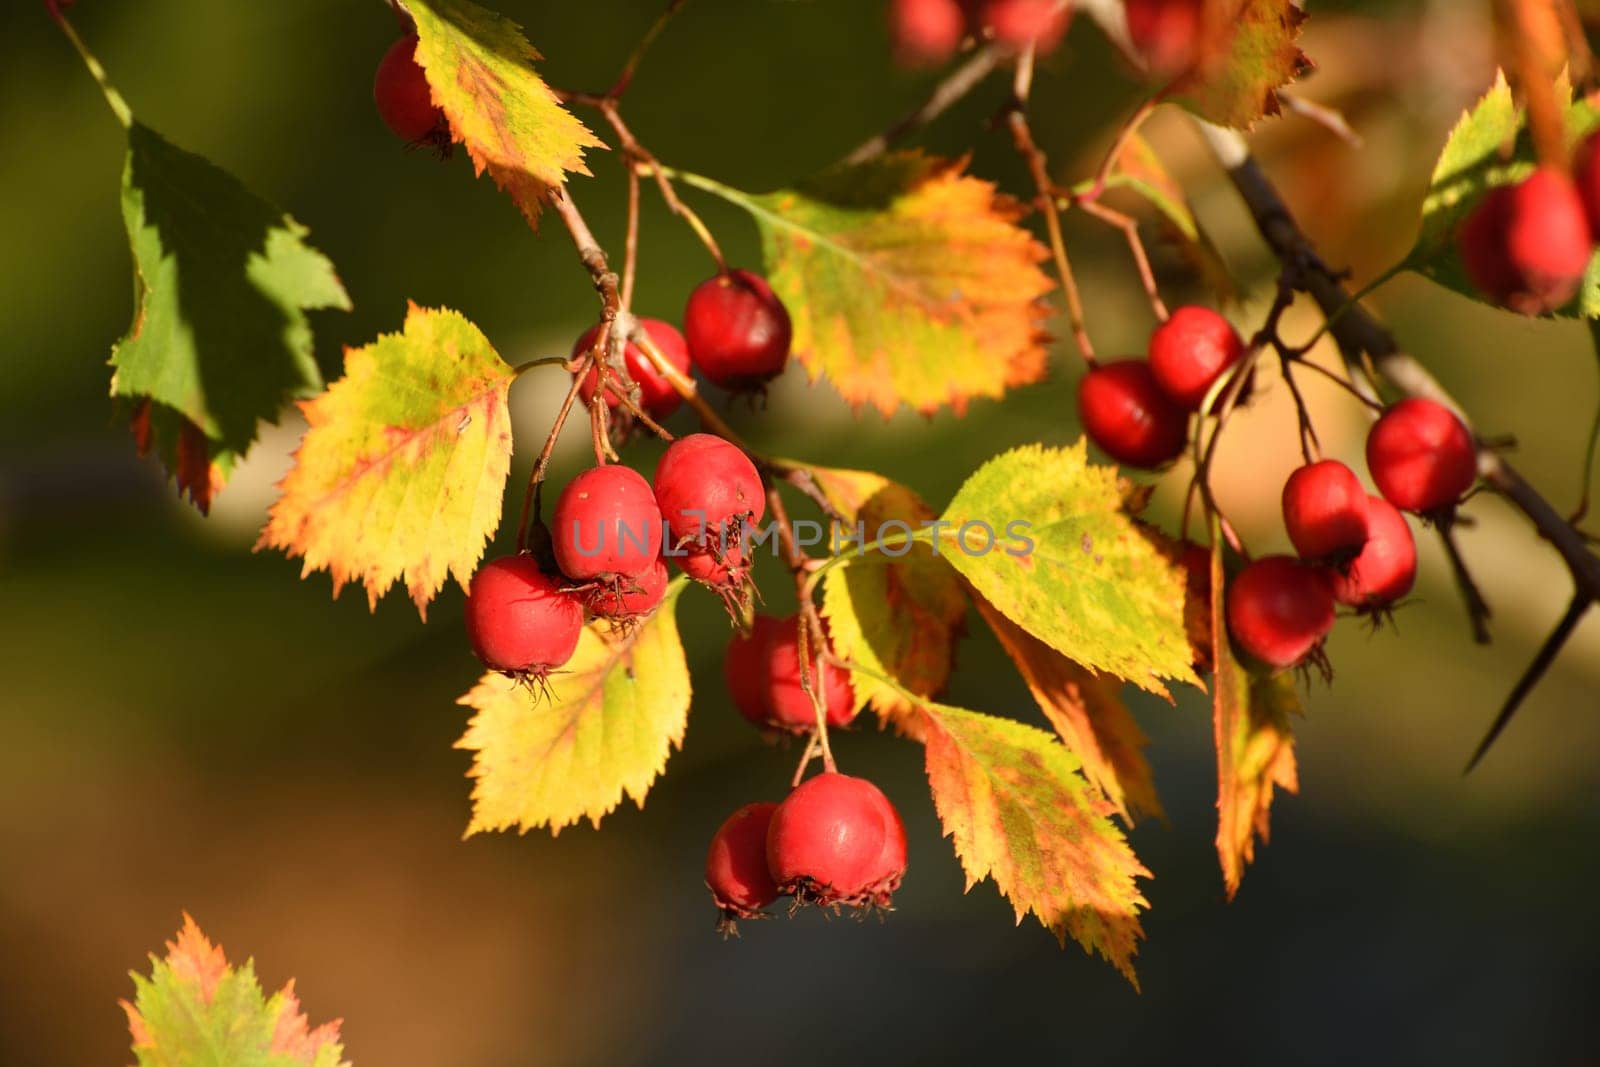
<point x="744" y="668"/>
<point x="831" y="843"/>
<point x="1387" y="566"/>
<point x="1166" y="33"/>
<point x="736" y="864"/>
<point x="926" y="32"/>
<point x="1586" y="175"/>
<point x="1190" y="351"/>
<point x="656" y="395"/>
<point x="1526" y="246"/>
<point x="738" y="330"/>
<point x="633" y="597"/>
<point x="1421" y="456"/>
<point x="1279" y="610"/>
<point x="762" y="670"/>
<point x="607" y="525"/>
<point x="1325" y="511"/>
<point x="401" y="92"/>
<point x="1125" y="412"/>
<point x="714" y="564"/>
<point x="518" y="618"/>
<point x="703" y="485"/>
<point x="1019" y="23"/>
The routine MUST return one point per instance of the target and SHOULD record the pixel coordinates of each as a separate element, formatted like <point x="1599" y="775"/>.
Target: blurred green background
<point x="186" y="725"/>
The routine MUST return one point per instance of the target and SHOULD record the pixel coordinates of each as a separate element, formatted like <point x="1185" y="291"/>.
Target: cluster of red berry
<point x="835" y="841"/>
<point x="1354" y="548"/>
<point x="1528" y="244"/>
<point x="929" y="32"/>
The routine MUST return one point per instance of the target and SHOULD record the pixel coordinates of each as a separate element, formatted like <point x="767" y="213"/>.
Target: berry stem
<point x="1125" y="133"/>
<point x="1141" y="261"/>
<point x="955" y="86"/>
<point x="540" y="465"/>
<point x="1478" y="612"/>
<point x="810" y="626"/>
<point x="631" y="66"/>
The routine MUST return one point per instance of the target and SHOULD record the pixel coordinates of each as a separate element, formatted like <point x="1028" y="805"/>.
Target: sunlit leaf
<point x="196" y="1010"/>
<point x="1069" y="565"/>
<point x="1012" y="800"/>
<point x="402" y="470"/>
<point x="480" y="68"/>
<point x="1256" y="53"/>
<point x="611" y="717"/>
<point x="909" y="282"/>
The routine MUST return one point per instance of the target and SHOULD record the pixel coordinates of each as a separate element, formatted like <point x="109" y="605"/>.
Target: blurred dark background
<point x="186" y="725"/>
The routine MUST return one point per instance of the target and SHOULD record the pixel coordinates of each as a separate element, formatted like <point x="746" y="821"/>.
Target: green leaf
<point x="196" y="1010"/>
<point x="480" y="68"/>
<point x="220" y="340"/>
<point x="1093" y="585"/>
<point x="1474" y="160"/>
<point x="1255" y="745"/>
<point x="1237" y="83"/>
<point x="1012" y="800"/>
<point x="611" y="718"/>
<point x="899" y="617"/>
<point x="909" y="282"/>
<point x="402" y="470"/>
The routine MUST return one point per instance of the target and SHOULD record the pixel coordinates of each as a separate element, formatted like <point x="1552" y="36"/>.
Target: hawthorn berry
<point x="762" y="670"/>
<point x="833" y="842"/>
<point x="519" y="619"/>
<point x="1387" y="566"/>
<point x="1421" y="456"/>
<point x="607" y="525"/>
<point x="744" y="668"/>
<point x="1019" y="23"/>
<point x="633" y="597"/>
<point x="738" y="330"/>
<point x="1166" y="33"/>
<point x="1526" y="246"/>
<point x="736" y="865"/>
<point x="400" y="89"/>
<point x="706" y="488"/>
<point x="1127" y="414"/>
<point x="926" y="32"/>
<point x="1190" y="351"/>
<point x="1280" y="609"/>
<point x="657" y="397"/>
<point x="1325" y="512"/>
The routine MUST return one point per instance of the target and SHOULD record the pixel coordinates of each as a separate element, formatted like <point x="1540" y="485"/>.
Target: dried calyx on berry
<point x="657" y="397"/>
<point x="837" y="841"/>
<point x="709" y="495"/>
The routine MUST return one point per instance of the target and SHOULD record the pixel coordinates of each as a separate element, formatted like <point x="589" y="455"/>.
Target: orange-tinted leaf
<point x="909" y="281"/>
<point x="196" y="1010"/>
<point x="401" y="473"/>
<point x="480" y="68"/>
<point x="199" y="465"/>
<point x="1255" y="748"/>
<point x="896" y="615"/>
<point x="1013" y="801"/>
<point x="1088" y="714"/>
<point x="1254" y="55"/>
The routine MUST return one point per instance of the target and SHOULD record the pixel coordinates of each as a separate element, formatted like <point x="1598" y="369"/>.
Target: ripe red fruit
<point x="1190" y="351"/>
<point x="1126" y="413"/>
<point x="656" y="395"/>
<point x="926" y="32"/>
<point x="738" y="330"/>
<point x="1166" y="33"/>
<point x="736" y="864"/>
<point x="762" y="670"/>
<point x="1279" y="610"/>
<point x="519" y="620"/>
<point x="832" y="842"/>
<point x="1387" y="566"/>
<point x="1586" y="176"/>
<point x="607" y="525"/>
<point x="1325" y="511"/>
<point x="1422" y="456"/>
<point x="632" y="597"/>
<point x="401" y="92"/>
<point x="1018" y="23"/>
<point x="1526" y="246"/>
<point x="703" y="485"/>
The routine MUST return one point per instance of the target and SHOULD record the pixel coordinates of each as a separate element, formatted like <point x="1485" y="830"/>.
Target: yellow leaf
<point x="611" y="718"/>
<point x="402" y="470"/>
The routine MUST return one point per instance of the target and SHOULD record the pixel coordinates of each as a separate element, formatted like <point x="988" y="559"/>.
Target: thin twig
<point x="1141" y="261"/>
<point x="631" y="67"/>
<point x="957" y="84"/>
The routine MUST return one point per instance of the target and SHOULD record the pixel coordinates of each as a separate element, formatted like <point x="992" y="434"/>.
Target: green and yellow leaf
<point x="1012" y="800"/>
<point x="220" y="341"/>
<point x="1490" y="146"/>
<point x="909" y="282"/>
<point x="1255" y="746"/>
<point x="1069" y="565"/>
<point x="480" y="68"/>
<point x="1256" y="53"/>
<point x="196" y="1010"/>
<point x="897" y="616"/>
<point x="611" y="718"/>
<point x="1088" y="714"/>
<point x="401" y="472"/>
